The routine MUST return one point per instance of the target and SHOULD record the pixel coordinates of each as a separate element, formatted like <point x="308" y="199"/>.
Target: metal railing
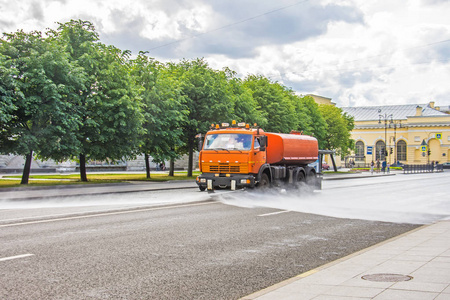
<point x="428" y="168"/>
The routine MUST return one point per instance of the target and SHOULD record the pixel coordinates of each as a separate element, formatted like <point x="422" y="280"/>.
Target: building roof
<point x="399" y="112"/>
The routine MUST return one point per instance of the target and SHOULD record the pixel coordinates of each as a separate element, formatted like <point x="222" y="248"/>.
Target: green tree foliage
<point x="39" y="93"/>
<point x="109" y="108"/>
<point x="163" y="108"/>
<point x="339" y="126"/>
<point x="245" y="108"/>
<point x="276" y="103"/>
<point x="311" y="121"/>
<point x="7" y="93"/>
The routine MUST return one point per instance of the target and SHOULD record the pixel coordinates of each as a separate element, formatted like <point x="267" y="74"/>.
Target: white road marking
<point x="16" y="257"/>
<point x="274" y="213"/>
<point x="104" y="214"/>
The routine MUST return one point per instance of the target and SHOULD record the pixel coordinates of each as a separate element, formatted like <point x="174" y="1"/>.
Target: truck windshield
<point x="228" y="141"/>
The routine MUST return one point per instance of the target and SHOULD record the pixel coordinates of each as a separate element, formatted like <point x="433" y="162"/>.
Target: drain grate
<point x="387" y="277"/>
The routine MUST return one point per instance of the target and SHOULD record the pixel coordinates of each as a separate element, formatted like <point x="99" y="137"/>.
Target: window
<point x="228" y="141"/>
<point x="256" y="144"/>
<point x="401" y="150"/>
<point x="380" y="150"/>
<point x="359" y="150"/>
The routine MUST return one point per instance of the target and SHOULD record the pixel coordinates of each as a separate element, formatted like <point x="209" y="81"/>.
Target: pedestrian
<point x="378" y="165"/>
<point x="388" y="168"/>
<point x="371" y="167"/>
<point x="384" y="166"/>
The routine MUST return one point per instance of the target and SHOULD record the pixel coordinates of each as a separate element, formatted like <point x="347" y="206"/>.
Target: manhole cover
<point x="387" y="277"/>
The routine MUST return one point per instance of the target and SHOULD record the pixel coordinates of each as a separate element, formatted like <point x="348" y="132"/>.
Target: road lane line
<point x="16" y="257"/>
<point x="105" y="214"/>
<point x="274" y="213"/>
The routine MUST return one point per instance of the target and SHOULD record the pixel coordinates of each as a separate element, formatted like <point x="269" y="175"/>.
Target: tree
<point x="39" y="92"/>
<point x="339" y="126"/>
<point x="108" y="109"/>
<point x="163" y="109"/>
<point x="208" y="100"/>
<point x="276" y="104"/>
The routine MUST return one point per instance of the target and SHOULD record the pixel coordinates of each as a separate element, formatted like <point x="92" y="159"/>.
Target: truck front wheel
<point x="264" y="181"/>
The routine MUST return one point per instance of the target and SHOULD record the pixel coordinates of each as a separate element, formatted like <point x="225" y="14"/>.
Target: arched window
<point x="380" y="148"/>
<point x="359" y="150"/>
<point x="401" y="150"/>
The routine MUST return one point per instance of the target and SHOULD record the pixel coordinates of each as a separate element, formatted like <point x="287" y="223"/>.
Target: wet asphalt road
<point x="198" y="250"/>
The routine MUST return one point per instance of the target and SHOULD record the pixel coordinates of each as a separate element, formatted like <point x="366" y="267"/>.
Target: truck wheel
<point x="202" y="188"/>
<point x="264" y="182"/>
<point x="311" y="179"/>
<point x="299" y="179"/>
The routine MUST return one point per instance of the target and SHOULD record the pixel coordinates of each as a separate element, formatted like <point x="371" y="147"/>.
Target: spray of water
<point x="387" y="201"/>
<point x="11" y="210"/>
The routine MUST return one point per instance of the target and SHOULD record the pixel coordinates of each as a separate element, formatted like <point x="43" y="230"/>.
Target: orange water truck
<point x="240" y="156"/>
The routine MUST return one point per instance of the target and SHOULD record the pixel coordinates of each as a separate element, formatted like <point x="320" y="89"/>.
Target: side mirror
<point x="200" y="142"/>
<point x="263" y="143"/>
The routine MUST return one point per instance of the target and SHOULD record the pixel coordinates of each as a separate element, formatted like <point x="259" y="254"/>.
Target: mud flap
<point x="209" y="186"/>
<point x="233" y="185"/>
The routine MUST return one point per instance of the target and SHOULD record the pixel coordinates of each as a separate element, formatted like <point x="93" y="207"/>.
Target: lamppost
<point x="386" y="118"/>
<point x="428" y="146"/>
<point x="395" y="124"/>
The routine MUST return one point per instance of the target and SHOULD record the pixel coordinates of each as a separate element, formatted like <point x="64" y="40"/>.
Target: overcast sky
<point x="357" y="52"/>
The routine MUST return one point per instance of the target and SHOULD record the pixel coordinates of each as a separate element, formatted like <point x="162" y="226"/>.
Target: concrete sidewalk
<point x="415" y="265"/>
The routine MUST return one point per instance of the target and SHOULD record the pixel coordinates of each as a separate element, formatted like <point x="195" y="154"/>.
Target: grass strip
<point x="93" y="178"/>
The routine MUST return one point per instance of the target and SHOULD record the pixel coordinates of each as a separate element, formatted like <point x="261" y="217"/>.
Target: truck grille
<point x="224" y="168"/>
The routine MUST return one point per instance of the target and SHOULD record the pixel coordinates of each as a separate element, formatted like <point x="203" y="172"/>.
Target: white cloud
<point x="357" y="52"/>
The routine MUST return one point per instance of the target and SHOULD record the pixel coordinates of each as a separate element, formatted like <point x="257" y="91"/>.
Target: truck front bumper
<point x="212" y="181"/>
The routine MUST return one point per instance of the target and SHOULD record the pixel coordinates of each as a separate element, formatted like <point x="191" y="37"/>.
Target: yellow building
<point x="410" y="134"/>
<point x="321" y="99"/>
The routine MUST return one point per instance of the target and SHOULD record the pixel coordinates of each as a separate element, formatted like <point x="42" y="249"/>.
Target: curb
<point x="339" y="177"/>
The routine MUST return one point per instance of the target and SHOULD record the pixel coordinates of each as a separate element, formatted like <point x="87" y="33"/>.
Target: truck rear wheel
<point x="311" y="178"/>
<point x="299" y="178"/>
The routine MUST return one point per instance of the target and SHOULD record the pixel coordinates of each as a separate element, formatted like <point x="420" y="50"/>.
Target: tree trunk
<point x="172" y="168"/>
<point x="147" y="165"/>
<point x="83" y="176"/>
<point x="27" y="168"/>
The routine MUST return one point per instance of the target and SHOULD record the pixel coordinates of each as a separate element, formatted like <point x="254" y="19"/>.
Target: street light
<point x="428" y="146"/>
<point x="386" y="118"/>
<point x="395" y="123"/>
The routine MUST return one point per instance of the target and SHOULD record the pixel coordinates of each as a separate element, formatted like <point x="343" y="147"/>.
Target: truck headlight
<point x="202" y="180"/>
<point x="245" y="181"/>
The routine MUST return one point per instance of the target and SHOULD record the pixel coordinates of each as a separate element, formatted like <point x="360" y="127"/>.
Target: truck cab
<point x="231" y="157"/>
